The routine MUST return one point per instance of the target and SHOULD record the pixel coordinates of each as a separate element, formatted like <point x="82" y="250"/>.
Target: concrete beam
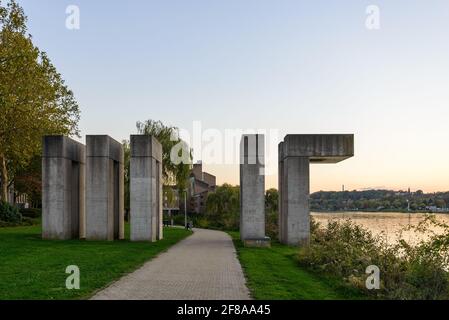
<point x="146" y="188"/>
<point x="252" y="190"/>
<point x="320" y="148"/>
<point x="296" y="153"/>
<point x="104" y="188"/>
<point x="63" y="188"/>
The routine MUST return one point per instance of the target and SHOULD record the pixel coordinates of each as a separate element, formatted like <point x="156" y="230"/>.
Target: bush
<point x="9" y="213"/>
<point x="271" y="225"/>
<point x="345" y="250"/>
<point x="31" y="213"/>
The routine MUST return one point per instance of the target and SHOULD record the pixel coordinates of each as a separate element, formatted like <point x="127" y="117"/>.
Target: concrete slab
<point x="319" y="148"/>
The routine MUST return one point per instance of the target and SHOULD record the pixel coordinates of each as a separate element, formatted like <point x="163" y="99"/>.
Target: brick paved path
<point x="203" y="266"/>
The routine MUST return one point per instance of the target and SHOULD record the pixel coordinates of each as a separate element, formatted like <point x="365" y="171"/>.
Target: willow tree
<point x="173" y="173"/>
<point x="34" y="100"/>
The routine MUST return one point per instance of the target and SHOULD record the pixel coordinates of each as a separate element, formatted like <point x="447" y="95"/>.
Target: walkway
<point x="203" y="266"/>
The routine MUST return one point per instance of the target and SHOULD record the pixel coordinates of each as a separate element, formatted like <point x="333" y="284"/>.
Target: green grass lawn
<point x="273" y="274"/>
<point x="32" y="268"/>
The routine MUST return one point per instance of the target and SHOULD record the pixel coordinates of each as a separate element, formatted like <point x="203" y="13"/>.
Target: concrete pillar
<point x="296" y="153"/>
<point x="146" y="188"/>
<point x="63" y="189"/>
<point x="281" y="193"/>
<point x="252" y="190"/>
<point x="104" y="188"/>
<point x="295" y="206"/>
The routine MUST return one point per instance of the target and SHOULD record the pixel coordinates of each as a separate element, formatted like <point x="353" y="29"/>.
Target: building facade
<point x="201" y="183"/>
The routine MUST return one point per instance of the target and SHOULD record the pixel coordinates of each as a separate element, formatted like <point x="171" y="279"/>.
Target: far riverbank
<point x="387" y="224"/>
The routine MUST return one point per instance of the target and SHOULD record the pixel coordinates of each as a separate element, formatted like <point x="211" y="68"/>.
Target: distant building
<point x="18" y="199"/>
<point x="201" y="183"/>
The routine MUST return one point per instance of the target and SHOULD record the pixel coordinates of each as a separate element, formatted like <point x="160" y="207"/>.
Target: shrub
<point x="271" y="226"/>
<point x="9" y="213"/>
<point x="31" y="213"/>
<point x="407" y="271"/>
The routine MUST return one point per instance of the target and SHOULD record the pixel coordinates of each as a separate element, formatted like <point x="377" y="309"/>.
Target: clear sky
<point x="295" y="66"/>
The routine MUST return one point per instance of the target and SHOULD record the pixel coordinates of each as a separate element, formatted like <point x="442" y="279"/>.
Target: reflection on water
<point x="388" y="222"/>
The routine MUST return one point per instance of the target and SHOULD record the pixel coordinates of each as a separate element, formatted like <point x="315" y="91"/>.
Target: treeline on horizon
<point x="378" y="200"/>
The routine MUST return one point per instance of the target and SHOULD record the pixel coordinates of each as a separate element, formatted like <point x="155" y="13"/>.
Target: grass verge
<point x="32" y="268"/>
<point x="274" y="274"/>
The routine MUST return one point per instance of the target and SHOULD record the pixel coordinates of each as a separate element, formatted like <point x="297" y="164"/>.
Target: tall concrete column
<point x="296" y="216"/>
<point x="82" y="198"/>
<point x="62" y="188"/>
<point x="296" y="153"/>
<point x="252" y="190"/>
<point x="281" y="188"/>
<point x="104" y="188"/>
<point x="146" y="188"/>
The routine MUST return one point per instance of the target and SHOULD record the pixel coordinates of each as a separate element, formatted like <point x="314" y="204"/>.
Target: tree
<point x="168" y="136"/>
<point x="223" y="207"/>
<point x="34" y="100"/>
<point x="440" y="203"/>
<point x="28" y="180"/>
<point x="272" y="200"/>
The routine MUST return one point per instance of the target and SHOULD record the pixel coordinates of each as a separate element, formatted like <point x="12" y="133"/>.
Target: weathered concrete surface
<point x="320" y="148"/>
<point x="257" y="243"/>
<point x="146" y="188"/>
<point x="104" y="188"/>
<point x="252" y="188"/>
<point x="202" y="267"/>
<point x="63" y="188"/>
<point x="296" y="153"/>
<point x="295" y="201"/>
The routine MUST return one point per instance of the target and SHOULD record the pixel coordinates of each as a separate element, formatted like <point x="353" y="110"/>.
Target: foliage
<point x="168" y="136"/>
<point x="271" y="225"/>
<point x="28" y="180"/>
<point x="9" y="213"/>
<point x="273" y="273"/>
<point x="34" y="100"/>
<point x="407" y="271"/>
<point x="271" y="212"/>
<point x="223" y="208"/>
<point x="377" y="200"/>
<point x="272" y="200"/>
<point x="31" y="212"/>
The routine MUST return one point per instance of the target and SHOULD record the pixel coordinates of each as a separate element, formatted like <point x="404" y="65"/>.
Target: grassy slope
<point x="31" y="268"/>
<point x="273" y="273"/>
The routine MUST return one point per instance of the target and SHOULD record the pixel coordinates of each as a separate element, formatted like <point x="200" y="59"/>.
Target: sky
<point x="283" y="67"/>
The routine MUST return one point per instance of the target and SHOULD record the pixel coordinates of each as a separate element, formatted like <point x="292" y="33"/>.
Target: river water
<point x="388" y="223"/>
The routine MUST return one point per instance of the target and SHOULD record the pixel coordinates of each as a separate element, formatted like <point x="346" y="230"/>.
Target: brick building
<point x="200" y="184"/>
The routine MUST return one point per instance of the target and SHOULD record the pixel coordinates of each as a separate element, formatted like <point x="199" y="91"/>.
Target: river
<point x="390" y="223"/>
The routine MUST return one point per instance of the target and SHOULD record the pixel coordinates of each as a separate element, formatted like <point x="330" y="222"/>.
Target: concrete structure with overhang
<point x="104" y="188"/>
<point x="63" y="188"/>
<point x="296" y="153"/>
